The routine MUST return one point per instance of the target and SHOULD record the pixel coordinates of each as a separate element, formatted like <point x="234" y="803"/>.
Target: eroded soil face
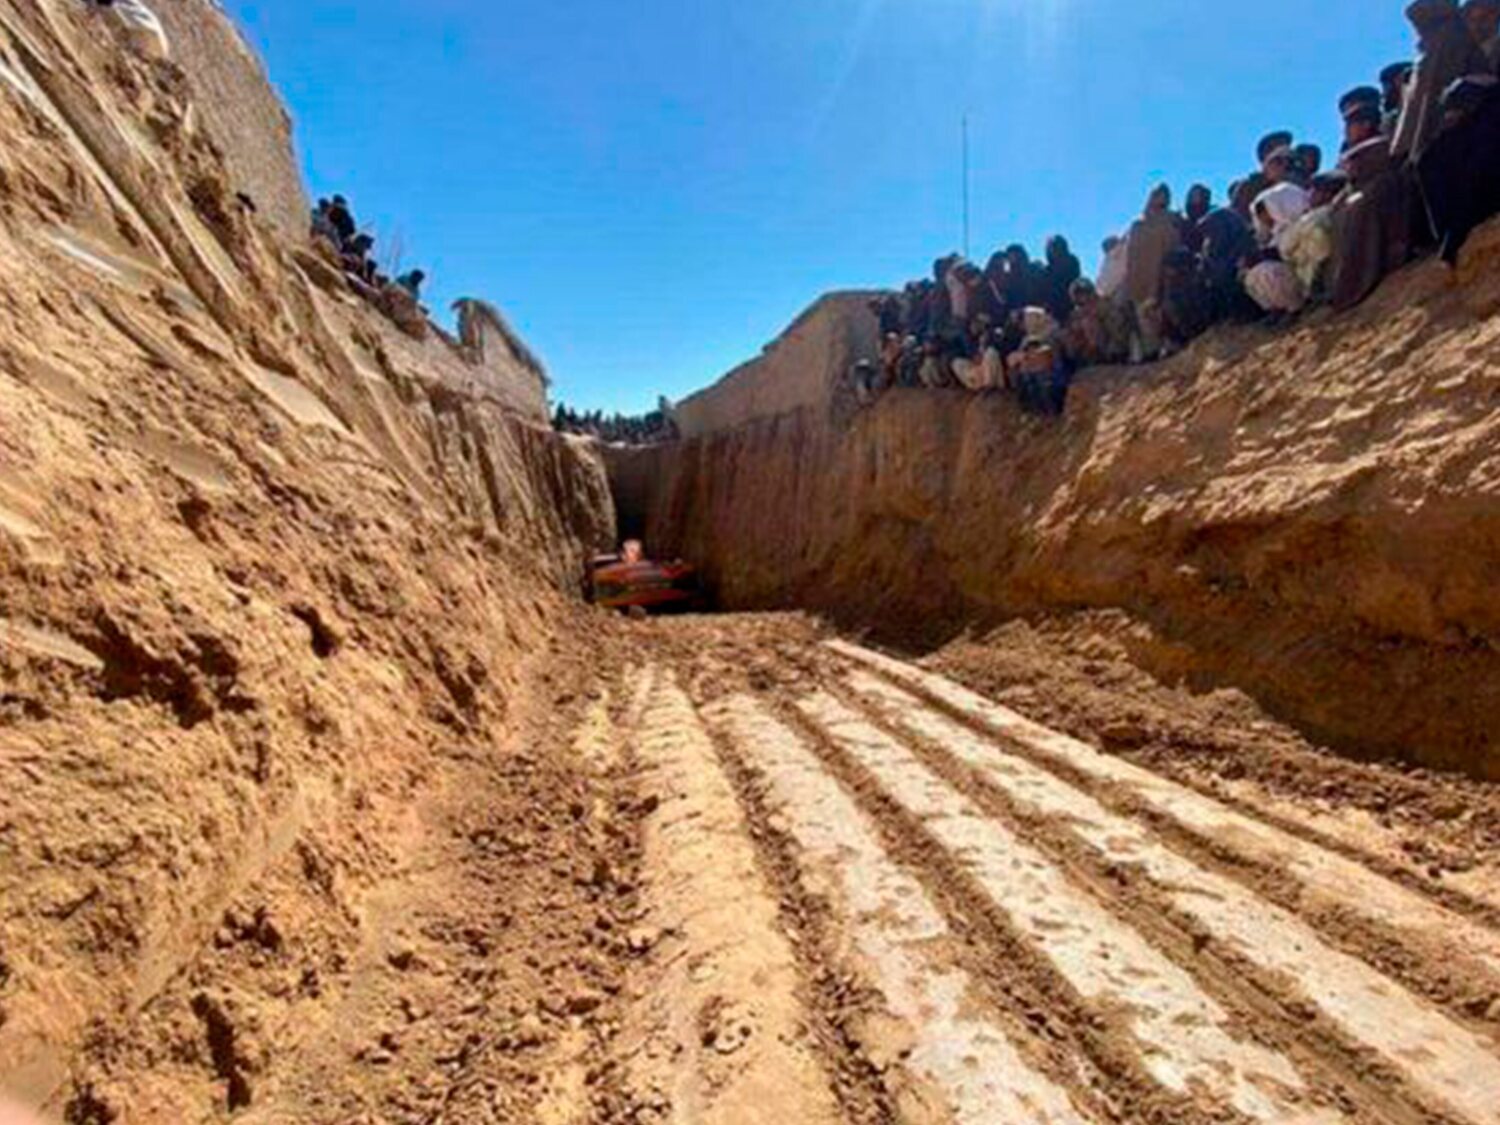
<point x="738" y="870"/>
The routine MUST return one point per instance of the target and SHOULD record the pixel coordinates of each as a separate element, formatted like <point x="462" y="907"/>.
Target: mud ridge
<point x="1440" y="975"/>
<point x="1270" y="1009"/>
<point x="1016" y="979"/>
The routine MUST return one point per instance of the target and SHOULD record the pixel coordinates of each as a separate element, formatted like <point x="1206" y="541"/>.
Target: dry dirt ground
<point x="321" y="803"/>
<point x="738" y="870"/>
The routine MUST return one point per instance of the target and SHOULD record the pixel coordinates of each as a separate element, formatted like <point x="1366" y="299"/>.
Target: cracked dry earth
<point x="837" y="886"/>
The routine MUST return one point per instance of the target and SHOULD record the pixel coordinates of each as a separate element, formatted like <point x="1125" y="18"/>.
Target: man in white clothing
<point x="1112" y="269"/>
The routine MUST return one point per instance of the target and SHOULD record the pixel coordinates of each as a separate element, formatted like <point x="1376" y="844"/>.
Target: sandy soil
<point x="735" y="869"/>
<point x="323" y="800"/>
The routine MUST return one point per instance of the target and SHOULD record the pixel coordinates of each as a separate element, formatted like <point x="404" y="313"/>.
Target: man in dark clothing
<point x="322" y="226"/>
<point x="1360" y="95"/>
<point x="1186" y="303"/>
<point x="1393" y="82"/>
<point x="887" y="310"/>
<point x="343" y="220"/>
<point x="1359" y="107"/>
<point x="1362" y="123"/>
<point x="1483" y="18"/>
<point x="357" y="260"/>
<point x="412" y="283"/>
<point x="1448" y="53"/>
<point x="1061" y="270"/>
<point x="1460" y="170"/>
<point x="1199" y="202"/>
<point x="1021" y="281"/>
<point x="1373" y="228"/>
<point x="1271" y="142"/>
<point x="939" y="305"/>
<point x="1307" y="162"/>
<point x="917" y="305"/>
<point x="984" y="302"/>
<point x="1227" y="238"/>
<point x="1242" y="195"/>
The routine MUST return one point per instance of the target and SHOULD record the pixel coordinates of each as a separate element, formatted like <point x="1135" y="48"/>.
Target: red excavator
<point x="634" y="584"/>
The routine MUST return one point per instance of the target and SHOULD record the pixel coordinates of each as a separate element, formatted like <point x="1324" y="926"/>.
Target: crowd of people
<point x="642" y="429"/>
<point x="1418" y="170"/>
<point x="333" y="222"/>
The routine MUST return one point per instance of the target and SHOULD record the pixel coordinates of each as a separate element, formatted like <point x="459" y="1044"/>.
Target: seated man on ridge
<point x="1186" y="305"/>
<point x="1228" y="240"/>
<point x="1038" y="369"/>
<point x="1098" y="332"/>
<point x="1372" y="220"/>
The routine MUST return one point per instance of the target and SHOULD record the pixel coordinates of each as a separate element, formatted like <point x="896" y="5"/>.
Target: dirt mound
<point x="278" y="611"/>
<point x="1312" y="515"/>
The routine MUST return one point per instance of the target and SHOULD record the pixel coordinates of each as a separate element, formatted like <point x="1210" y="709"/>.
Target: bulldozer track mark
<point x="721" y="1033"/>
<point x="925" y="1029"/>
<point x="1444" y="926"/>
<point x="1380" y="1041"/>
<point x="1075" y="1042"/>
<point x="1188" y="1042"/>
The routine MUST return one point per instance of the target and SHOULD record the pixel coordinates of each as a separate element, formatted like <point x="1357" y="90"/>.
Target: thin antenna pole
<point x="966" y="185"/>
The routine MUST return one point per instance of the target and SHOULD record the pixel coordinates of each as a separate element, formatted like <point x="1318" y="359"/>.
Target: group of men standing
<point x="1419" y="168"/>
<point x="333" y="222"/>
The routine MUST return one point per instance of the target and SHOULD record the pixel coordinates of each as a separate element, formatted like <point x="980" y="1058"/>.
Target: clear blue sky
<point x="653" y="190"/>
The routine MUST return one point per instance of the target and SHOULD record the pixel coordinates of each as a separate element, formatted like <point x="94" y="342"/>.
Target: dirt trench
<point x="322" y="800"/>
<point x="1306" y="514"/>
<point x="737" y="870"/>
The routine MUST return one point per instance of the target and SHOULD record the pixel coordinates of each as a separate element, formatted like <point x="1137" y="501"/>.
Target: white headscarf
<point x="1285" y="203"/>
<point x="1112" y="269"/>
<point x="1038" y="324"/>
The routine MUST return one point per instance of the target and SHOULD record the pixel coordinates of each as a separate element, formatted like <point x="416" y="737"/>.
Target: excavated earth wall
<point x="240" y="109"/>
<point x="267" y="579"/>
<point x="1311" y="514"/>
<point x="797" y="370"/>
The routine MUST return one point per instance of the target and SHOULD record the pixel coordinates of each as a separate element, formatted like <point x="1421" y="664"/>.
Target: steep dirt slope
<point x="1312" y="515"/>
<point x="278" y="612"/>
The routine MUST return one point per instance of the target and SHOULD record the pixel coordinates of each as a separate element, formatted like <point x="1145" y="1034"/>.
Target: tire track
<point x="1439" y="1057"/>
<point x="1186" y="1040"/>
<point x="1328" y="884"/>
<point x="1079" y="1044"/>
<point x="959" y="1065"/>
<point x="720" y="1034"/>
